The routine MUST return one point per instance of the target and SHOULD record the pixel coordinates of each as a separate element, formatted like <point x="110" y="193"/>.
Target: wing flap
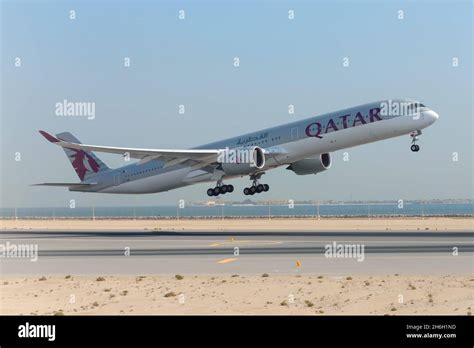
<point x="64" y="184"/>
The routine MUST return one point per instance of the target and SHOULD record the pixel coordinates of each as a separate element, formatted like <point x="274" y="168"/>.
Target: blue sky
<point x="190" y="62"/>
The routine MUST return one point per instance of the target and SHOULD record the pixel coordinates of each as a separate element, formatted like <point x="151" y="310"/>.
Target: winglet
<point x="49" y="137"/>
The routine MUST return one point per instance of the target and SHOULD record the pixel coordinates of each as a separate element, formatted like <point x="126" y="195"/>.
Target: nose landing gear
<point x="414" y="137"/>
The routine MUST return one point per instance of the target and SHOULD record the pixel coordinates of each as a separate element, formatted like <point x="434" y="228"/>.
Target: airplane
<point x="303" y="146"/>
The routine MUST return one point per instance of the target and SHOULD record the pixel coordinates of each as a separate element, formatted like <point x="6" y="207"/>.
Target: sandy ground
<point x="238" y="294"/>
<point x="393" y="224"/>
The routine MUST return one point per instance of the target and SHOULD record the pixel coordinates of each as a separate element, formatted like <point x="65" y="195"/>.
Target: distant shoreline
<point x="273" y="203"/>
<point x="249" y="210"/>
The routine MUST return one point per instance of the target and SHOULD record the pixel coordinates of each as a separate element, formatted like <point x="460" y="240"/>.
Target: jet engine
<point x="241" y="161"/>
<point x="311" y="165"/>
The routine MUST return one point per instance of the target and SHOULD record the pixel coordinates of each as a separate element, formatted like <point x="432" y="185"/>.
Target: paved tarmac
<point x="169" y="252"/>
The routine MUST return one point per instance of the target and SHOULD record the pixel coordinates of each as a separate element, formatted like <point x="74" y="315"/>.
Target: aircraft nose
<point x="431" y="116"/>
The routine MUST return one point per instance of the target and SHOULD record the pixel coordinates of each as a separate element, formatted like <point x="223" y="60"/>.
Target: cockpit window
<point x="414" y="106"/>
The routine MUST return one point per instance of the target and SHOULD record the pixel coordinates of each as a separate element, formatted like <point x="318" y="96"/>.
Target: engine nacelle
<point x="311" y="165"/>
<point x="241" y="161"/>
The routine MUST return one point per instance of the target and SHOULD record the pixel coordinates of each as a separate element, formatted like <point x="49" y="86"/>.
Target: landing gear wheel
<point x="256" y="186"/>
<point x="220" y="189"/>
<point x="414" y="138"/>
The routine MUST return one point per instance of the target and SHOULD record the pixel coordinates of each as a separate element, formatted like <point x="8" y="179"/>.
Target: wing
<point x="170" y="156"/>
<point x="64" y="184"/>
<point x="199" y="158"/>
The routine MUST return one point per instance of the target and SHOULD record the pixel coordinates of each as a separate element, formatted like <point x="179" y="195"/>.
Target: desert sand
<point x="238" y="294"/>
<point x="274" y="224"/>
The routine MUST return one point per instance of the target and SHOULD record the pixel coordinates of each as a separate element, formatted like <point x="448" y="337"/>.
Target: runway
<point x="209" y="252"/>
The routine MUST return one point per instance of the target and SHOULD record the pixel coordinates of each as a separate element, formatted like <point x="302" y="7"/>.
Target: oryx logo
<point x="83" y="163"/>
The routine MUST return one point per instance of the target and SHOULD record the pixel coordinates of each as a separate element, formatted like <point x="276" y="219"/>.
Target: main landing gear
<point x="414" y="137"/>
<point x="256" y="187"/>
<point x="220" y="189"/>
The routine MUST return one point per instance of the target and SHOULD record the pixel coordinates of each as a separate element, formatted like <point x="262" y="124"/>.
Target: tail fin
<point x="85" y="163"/>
